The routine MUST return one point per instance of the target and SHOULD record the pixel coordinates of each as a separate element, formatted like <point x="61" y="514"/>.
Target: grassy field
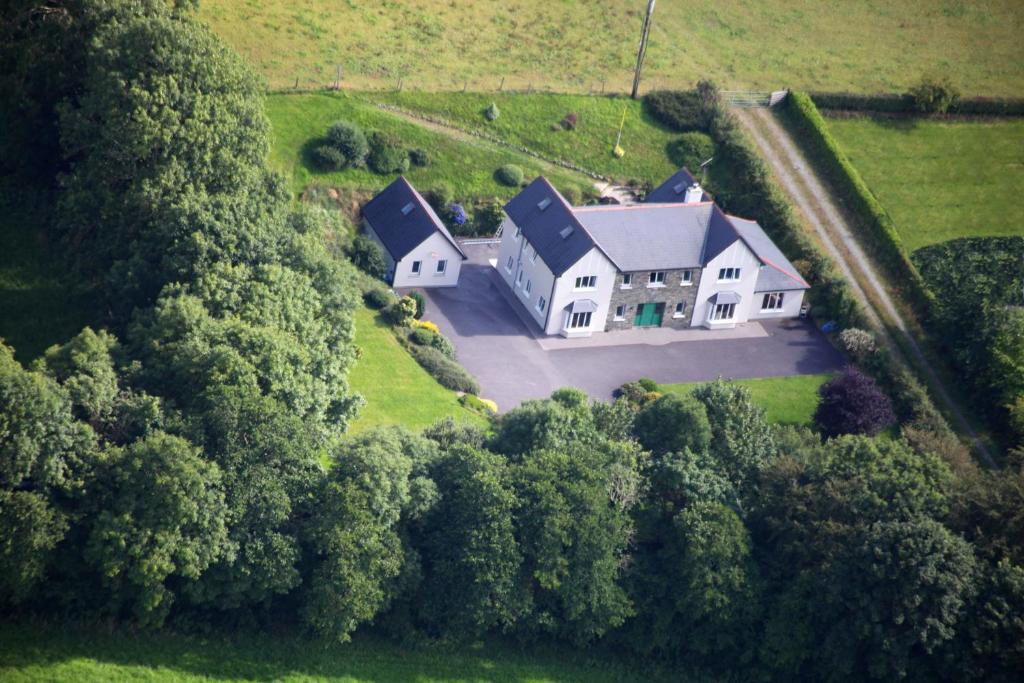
<point x="397" y="390"/>
<point x="941" y="180"/>
<point x="786" y="400"/>
<point x="857" y="45"/>
<point x="466" y="165"/>
<point x="532" y="121"/>
<point x="38" y="306"/>
<point x="37" y="654"/>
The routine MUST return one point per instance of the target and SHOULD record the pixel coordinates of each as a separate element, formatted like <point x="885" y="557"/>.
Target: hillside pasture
<point x="463" y="163"/>
<point x="940" y="180"/>
<point x="854" y="45"/>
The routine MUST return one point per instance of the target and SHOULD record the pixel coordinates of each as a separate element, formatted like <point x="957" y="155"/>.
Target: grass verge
<point x="397" y="390"/>
<point x="785" y="400"/>
<point x="31" y="653"/>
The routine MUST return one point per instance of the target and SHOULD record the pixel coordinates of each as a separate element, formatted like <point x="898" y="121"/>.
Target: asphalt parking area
<point x="510" y="360"/>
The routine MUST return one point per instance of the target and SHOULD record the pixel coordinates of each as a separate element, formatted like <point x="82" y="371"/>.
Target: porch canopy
<point x="725" y="298"/>
<point x="583" y="306"/>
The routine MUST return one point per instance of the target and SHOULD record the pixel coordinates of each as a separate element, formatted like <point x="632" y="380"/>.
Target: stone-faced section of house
<point x="654" y="298"/>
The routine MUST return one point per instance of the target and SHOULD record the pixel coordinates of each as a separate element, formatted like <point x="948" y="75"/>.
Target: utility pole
<point x="642" y="51"/>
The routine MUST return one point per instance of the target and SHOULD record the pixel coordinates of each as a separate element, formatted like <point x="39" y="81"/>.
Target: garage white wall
<point x="429" y="252"/>
<point x="791" y="302"/>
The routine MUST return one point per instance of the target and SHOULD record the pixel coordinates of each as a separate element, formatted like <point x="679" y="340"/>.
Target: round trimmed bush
<point x="350" y="141"/>
<point x="510" y="175"/>
<point x="419" y="157"/>
<point x="422" y="337"/>
<point x="492" y="112"/>
<point x="327" y="158"/>
<point x="444" y="345"/>
<point x="852" y="403"/>
<point x="379" y="298"/>
<point x="386" y="154"/>
<point x="691" y="150"/>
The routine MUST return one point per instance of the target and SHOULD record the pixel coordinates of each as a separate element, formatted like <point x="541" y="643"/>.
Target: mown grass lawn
<point x="466" y="166"/>
<point x="856" y="45"/>
<point x="39" y="305"/>
<point x="941" y="180"/>
<point x="397" y="390"/>
<point x="29" y="653"/>
<point x="785" y="400"/>
<point x="532" y="120"/>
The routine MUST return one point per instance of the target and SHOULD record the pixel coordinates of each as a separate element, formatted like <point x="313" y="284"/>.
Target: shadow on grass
<point x="88" y="654"/>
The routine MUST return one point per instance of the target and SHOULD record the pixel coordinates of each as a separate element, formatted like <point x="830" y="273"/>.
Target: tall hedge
<point x="875" y="223"/>
<point x="903" y="103"/>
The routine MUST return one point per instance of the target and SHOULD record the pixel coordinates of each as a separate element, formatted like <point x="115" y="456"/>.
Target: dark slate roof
<point x="546" y="228"/>
<point x="720" y="236"/>
<point x="777" y="273"/>
<point x="648" y="236"/>
<point x="674" y="189"/>
<point x="403" y="232"/>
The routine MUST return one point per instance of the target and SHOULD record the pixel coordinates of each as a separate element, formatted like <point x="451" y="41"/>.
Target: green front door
<point x="649" y="315"/>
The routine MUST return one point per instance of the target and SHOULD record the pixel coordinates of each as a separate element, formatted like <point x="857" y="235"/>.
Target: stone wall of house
<point x="671" y="294"/>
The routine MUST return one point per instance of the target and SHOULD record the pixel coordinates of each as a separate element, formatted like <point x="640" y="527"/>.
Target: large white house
<point x="676" y="260"/>
<point x="419" y="250"/>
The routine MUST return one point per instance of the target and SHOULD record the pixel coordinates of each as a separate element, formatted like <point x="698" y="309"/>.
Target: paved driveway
<point x="507" y="357"/>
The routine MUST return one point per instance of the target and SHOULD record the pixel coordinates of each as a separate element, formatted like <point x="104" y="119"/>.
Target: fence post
<point x="502" y="85"/>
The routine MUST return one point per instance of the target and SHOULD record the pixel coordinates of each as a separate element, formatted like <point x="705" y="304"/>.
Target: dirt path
<point x="817" y="206"/>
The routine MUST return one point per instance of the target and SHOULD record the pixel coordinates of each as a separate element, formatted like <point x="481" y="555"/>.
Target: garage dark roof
<point x="402" y="219"/>
<point x="549" y="225"/>
<point x="674" y="189"/>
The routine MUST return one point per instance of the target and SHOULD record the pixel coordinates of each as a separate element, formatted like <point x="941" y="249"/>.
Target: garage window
<point x="416" y="267"/>
<point x="772" y="301"/>
<point x="541" y="303"/>
<point x="442" y="266"/>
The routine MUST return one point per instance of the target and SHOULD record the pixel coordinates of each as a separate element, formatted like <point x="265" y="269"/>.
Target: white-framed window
<point x="442" y="266"/>
<point x="508" y="266"/>
<point x="656" y="279"/>
<point x="620" y="312"/>
<point x="586" y="282"/>
<point x="529" y="287"/>
<point x="578" y="320"/>
<point x="687" y="278"/>
<point x="627" y="280"/>
<point x="680" y="310"/>
<point x="519" y="278"/>
<point x="416" y="267"/>
<point x="772" y="301"/>
<point x="519" y="231"/>
<point x="541" y="303"/>
<point x="728" y="274"/>
<point x="723" y="312"/>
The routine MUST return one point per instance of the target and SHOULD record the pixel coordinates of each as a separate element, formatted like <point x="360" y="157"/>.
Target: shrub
<point x="679" y="110"/>
<point x="492" y="112"/>
<point x="419" y="157"/>
<point x="570" y="121"/>
<point x="386" y="154"/>
<point x="858" y="343"/>
<point x="444" y="345"/>
<point x="934" y="95"/>
<point x="672" y="423"/>
<point x="478" y="405"/>
<point x="402" y="312"/>
<point x="421" y="304"/>
<point x="421" y="336"/>
<point x="852" y="403"/>
<point x="439" y="198"/>
<point x="637" y="393"/>
<point x="379" y="298"/>
<point x="350" y="142"/>
<point x="648" y="384"/>
<point x="368" y="256"/>
<point x="327" y="158"/>
<point x="427" y="325"/>
<point x="456" y="214"/>
<point x="572" y="195"/>
<point x="488" y="217"/>
<point x="447" y="372"/>
<point x="691" y="150"/>
<point x="510" y="175"/>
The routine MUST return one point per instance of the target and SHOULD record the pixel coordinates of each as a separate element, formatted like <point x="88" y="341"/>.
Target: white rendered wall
<point x="593" y="262"/>
<point x="428" y="253"/>
<point x="791" y="302"/>
<point x="736" y="255"/>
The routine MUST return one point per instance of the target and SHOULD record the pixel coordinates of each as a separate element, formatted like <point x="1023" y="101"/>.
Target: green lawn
<point x="397" y="390"/>
<point x="529" y="120"/>
<point x="786" y="400"/>
<point x="466" y="165"/>
<point x="857" y="45"/>
<point x="30" y="653"/>
<point x="38" y="305"/>
<point x="939" y="180"/>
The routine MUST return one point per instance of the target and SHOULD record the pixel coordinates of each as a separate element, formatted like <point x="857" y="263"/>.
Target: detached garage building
<point x="418" y="248"/>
